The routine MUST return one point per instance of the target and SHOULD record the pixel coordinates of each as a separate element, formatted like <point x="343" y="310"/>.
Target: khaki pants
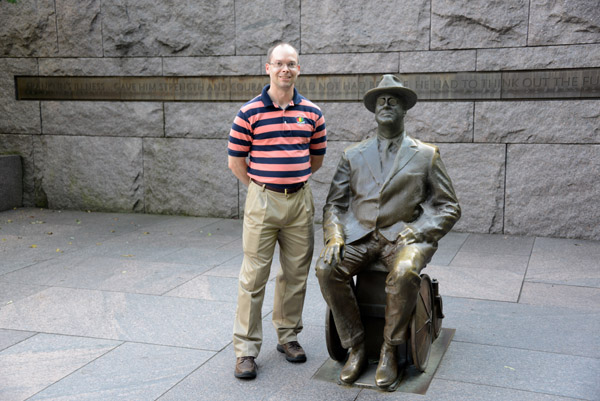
<point x="272" y="217"/>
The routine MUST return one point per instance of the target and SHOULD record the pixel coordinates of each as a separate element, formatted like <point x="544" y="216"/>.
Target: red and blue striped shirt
<point x="279" y="141"/>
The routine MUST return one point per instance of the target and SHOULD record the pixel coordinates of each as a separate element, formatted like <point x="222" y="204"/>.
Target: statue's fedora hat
<point x="390" y="84"/>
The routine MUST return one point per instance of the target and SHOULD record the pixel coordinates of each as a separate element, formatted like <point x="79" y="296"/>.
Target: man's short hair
<point x="277" y="44"/>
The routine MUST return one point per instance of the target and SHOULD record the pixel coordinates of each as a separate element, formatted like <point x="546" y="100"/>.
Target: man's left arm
<point x="441" y="209"/>
<point x="316" y="161"/>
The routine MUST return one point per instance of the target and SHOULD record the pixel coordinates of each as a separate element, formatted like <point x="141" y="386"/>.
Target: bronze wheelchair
<point x="425" y="324"/>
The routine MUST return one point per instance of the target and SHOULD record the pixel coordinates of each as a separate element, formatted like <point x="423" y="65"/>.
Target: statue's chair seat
<point x="425" y="324"/>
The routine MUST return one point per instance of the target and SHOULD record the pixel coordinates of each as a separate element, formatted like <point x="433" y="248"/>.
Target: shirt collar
<point x="266" y="99"/>
<point x="397" y="140"/>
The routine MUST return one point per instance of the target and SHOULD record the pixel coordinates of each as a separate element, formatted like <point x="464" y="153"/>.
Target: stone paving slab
<point x="532" y="327"/>
<point x="40" y="361"/>
<point x="111" y="274"/>
<point x="489" y="261"/>
<point x="584" y="298"/>
<point x="479" y="283"/>
<point x="150" y="287"/>
<point x="27" y="219"/>
<point x="448" y="248"/>
<point x="450" y="390"/>
<point x="120" y="316"/>
<point x="498" y="244"/>
<point x="9" y="338"/>
<point x="215" y="288"/>
<point x="129" y="372"/>
<point x="140" y="245"/>
<point x="215" y="380"/>
<point x="208" y="256"/>
<point x="12" y="292"/>
<point x="540" y="372"/>
<point x="571" y="262"/>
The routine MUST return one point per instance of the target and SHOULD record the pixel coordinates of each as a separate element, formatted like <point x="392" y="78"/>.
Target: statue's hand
<point x="409" y="236"/>
<point x="333" y="250"/>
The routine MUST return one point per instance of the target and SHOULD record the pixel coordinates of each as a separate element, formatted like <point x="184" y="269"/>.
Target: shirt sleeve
<point x="318" y="140"/>
<point x="240" y="136"/>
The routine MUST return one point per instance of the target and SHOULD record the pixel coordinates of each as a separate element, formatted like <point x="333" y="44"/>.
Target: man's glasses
<point x="292" y="65"/>
<point x="391" y="101"/>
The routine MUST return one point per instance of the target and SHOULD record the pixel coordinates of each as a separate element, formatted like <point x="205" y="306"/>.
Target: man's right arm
<point x="338" y="201"/>
<point x="239" y="167"/>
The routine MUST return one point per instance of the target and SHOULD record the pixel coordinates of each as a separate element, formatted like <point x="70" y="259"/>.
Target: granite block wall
<point x="522" y="166"/>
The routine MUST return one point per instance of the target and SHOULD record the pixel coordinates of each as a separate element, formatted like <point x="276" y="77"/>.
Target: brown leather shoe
<point x="387" y="369"/>
<point x="354" y="365"/>
<point x="293" y="351"/>
<point x="245" y="368"/>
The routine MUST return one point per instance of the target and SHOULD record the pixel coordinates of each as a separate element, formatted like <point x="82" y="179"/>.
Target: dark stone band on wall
<point x="541" y="84"/>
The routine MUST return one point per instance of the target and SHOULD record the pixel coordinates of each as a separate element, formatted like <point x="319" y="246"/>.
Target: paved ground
<point x="97" y="306"/>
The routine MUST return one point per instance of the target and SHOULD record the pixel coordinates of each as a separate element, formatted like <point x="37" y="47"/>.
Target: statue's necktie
<point x="388" y="154"/>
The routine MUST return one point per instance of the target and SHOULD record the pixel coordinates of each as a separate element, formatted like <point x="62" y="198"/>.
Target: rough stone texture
<point x="89" y="173"/>
<point x="229" y="38"/>
<point x="348" y="121"/>
<point x="28" y="29"/>
<point x="258" y="27"/>
<point x="191" y="177"/>
<point x="11" y="182"/>
<point x="21" y="145"/>
<point x="563" y="22"/>
<point x="441" y="121"/>
<point x="17" y="117"/>
<point x="103" y="118"/>
<point x="199" y="120"/>
<point x="330" y="26"/>
<point x="538" y="122"/>
<point x="101" y="66"/>
<point x="437" y="61"/>
<point x="478" y="24"/>
<point x="581" y="56"/>
<point x="349" y="63"/>
<point x="477" y="172"/>
<point x="427" y="121"/>
<point x="168" y="28"/>
<point x="79" y="28"/>
<point x="553" y="190"/>
<point x="224" y="65"/>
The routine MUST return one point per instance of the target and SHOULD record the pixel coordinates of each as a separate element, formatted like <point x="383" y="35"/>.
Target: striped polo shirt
<point x="279" y="141"/>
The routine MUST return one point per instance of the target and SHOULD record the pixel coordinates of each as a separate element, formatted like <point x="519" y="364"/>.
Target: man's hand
<point x="409" y="236"/>
<point x="333" y="250"/>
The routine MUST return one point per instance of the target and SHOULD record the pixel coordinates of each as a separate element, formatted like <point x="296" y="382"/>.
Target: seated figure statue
<point x="390" y="200"/>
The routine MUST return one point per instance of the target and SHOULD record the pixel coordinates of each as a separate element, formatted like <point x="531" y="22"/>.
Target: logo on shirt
<point x="300" y="120"/>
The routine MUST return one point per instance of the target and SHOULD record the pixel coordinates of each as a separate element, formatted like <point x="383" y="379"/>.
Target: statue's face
<point x="389" y="110"/>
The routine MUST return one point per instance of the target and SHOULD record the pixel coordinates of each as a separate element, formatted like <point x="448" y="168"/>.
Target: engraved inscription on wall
<point x="544" y="84"/>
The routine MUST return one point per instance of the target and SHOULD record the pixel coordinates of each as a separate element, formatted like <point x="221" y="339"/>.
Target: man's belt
<point x="280" y="190"/>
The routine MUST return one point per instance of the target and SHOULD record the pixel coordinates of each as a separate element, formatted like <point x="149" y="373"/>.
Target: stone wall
<point x="526" y="167"/>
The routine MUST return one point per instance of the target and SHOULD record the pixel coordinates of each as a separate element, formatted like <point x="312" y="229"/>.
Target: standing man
<point x="390" y="200"/>
<point x="284" y="135"/>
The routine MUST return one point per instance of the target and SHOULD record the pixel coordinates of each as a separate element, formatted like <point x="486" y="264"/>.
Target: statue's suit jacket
<point x="417" y="193"/>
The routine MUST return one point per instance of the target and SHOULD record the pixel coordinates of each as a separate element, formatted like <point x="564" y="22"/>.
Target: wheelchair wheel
<point x="421" y="325"/>
<point x="334" y="344"/>
<point x="438" y="309"/>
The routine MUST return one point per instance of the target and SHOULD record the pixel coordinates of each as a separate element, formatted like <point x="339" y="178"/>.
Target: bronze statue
<point x="390" y="200"/>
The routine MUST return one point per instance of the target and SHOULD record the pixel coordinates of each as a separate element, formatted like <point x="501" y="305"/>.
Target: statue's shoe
<point x="387" y="369"/>
<point x="354" y="365"/>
